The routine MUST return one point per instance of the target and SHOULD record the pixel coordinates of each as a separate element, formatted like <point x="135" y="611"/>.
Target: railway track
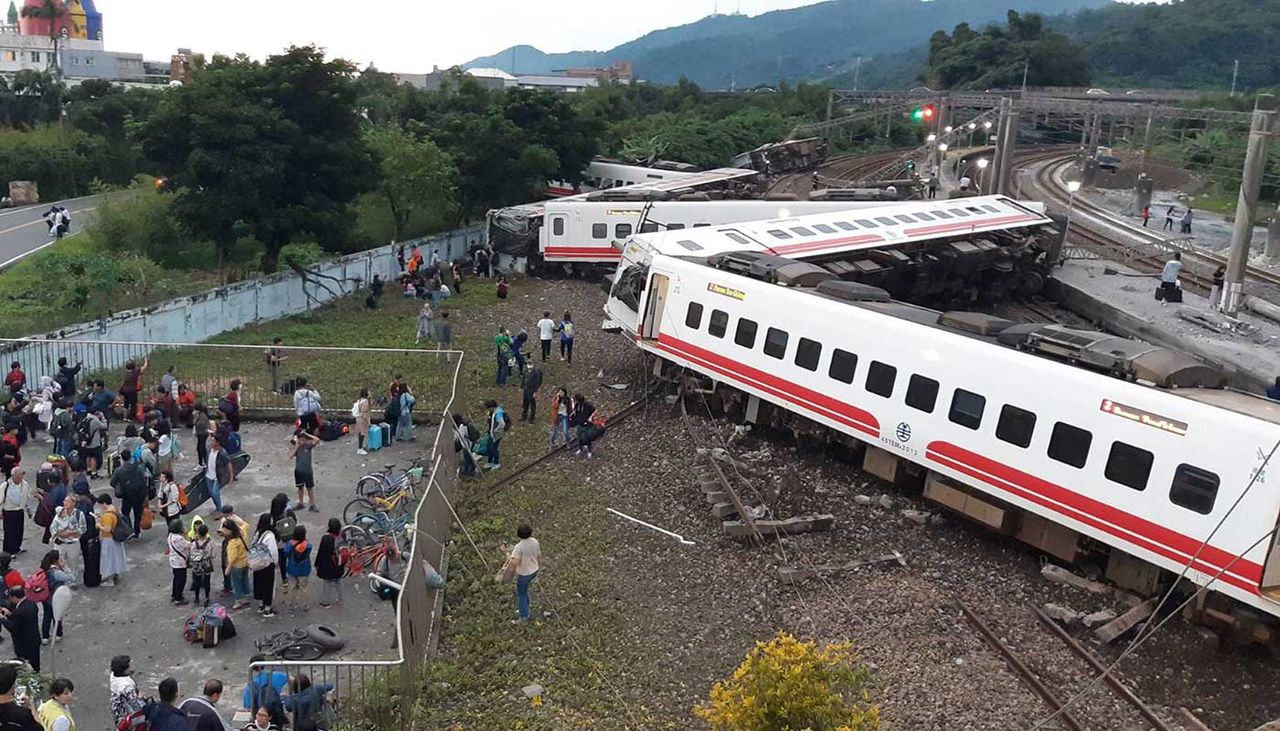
<point x="843" y="167"/>
<point x="1062" y="667"/>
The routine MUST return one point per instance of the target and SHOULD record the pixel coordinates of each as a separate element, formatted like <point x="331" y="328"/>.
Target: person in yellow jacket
<point x="54" y="714"/>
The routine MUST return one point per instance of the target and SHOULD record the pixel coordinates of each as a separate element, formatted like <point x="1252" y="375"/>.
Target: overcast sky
<point x="411" y="39"/>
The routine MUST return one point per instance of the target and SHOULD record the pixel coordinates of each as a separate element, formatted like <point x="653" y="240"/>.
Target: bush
<point x="141" y="221"/>
<point x="62" y="161"/>
<point x="789" y="685"/>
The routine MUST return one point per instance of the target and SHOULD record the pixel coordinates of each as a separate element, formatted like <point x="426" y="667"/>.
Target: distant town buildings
<point x="568" y="81"/>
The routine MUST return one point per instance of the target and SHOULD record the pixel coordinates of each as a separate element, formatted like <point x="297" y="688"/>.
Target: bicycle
<point x="400" y="501"/>
<point x="293" y="644"/>
<point x="387" y="481"/>
<point x="362" y="552"/>
<point x="369" y="527"/>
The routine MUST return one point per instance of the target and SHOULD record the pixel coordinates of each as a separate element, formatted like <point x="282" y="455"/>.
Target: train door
<point x="555" y="231"/>
<point x="658" y="284"/>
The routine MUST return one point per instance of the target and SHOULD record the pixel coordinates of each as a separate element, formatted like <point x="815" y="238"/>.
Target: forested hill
<point x="815" y="41"/>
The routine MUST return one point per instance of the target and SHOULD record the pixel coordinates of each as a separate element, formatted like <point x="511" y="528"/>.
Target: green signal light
<point x="918" y="115"/>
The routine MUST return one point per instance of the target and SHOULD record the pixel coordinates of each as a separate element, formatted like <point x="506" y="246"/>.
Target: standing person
<point x="1146" y="216"/>
<point x="400" y="256"/>
<point x="217" y="472"/>
<point x="497" y="427"/>
<point x="933" y="186"/>
<point x="435" y="259"/>
<point x="503" y="288"/>
<point x="426" y="326"/>
<point x="169" y="382"/>
<point x="404" y="427"/>
<point x="560" y="404"/>
<point x="165" y="716"/>
<point x="236" y="566"/>
<point x="10" y="450"/>
<point x="16" y="379"/>
<point x="529" y="394"/>
<point x="230" y="405"/>
<point x="305" y="700"/>
<point x="565" y="328"/>
<point x="22" y="619"/>
<point x="169" y="496"/>
<point x="301" y="447"/>
<point x="41" y="585"/>
<point x="67" y="376"/>
<point x="1168" y="219"/>
<point x="178" y="549"/>
<point x="113" y="564"/>
<point x="273" y="357"/>
<point x="93" y="431"/>
<point x="17" y="500"/>
<point x="546" y="332"/>
<point x="200" y="428"/>
<point x="1215" y="295"/>
<point x="297" y="553"/>
<point x="124" y="689"/>
<point x="502" y="344"/>
<point x="228" y="515"/>
<point x="264" y="577"/>
<point x="15" y="716"/>
<point x="130" y="385"/>
<point x="284" y="520"/>
<point x="306" y="402"/>
<point x="202" y="712"/>
<point x="1169" y="277"/>
<point x="362" y="409"/>
<point x="131" y="484"/>
<point x="463" y="444"/>
<point x="446" y="331"/>
<point x="328" y="567"/>
<point x="62" y="427"/>
<point x="523" y="558"/>
<point x="201" y="562"/>
<point x="517" y="353"/>
<point x="1186" y="221"/>
<point x="55" y="713"/>
<point x="67" y="528"/>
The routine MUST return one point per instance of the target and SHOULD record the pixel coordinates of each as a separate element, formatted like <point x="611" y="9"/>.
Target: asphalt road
<point x="23" y="231"/>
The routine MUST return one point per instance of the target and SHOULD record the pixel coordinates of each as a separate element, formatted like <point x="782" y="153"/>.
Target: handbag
<point x="508" y="571"/>
<point x="147" y="517"/>
<point x="259" y="556"/>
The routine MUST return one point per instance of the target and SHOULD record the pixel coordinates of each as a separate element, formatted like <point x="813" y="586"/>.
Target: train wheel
<point x="1030" y="282"/>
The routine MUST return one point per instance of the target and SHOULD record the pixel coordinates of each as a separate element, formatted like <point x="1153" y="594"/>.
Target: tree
<point x="51" y="11"/>
<point x="413" y="174"/>
<point x="997" y="56"/>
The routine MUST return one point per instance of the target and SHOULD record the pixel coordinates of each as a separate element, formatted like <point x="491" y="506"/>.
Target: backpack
<point x="135" y="721"/>
<point x="355" y="410"/>
<point x="37" y="586"/>
<point x="226" y="406"/>
<point x="201" y="558"/>
<point x="62" y="424"/>
<point x="473" y="434"/>
<point x="259" y="556"/>
<point x="233" y="443"/>
<point x="136" y="458"/>
<point x="506" y="421"/>
<point x="84" y="431"/>
<point x="123" y="529"/>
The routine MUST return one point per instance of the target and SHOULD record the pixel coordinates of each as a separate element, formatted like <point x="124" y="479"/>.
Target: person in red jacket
<point x="16" y="380"/>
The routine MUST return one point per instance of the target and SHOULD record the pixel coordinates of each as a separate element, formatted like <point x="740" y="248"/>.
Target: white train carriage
<point x="604" y="174"/>
<point x="1147" y="470"/>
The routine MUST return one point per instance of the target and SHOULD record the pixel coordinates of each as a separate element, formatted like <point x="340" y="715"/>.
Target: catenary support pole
<point x="1007" y="145"/>
<point x="1247" y="206"/>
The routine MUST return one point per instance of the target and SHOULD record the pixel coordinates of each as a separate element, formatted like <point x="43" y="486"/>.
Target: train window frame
<point x="622" y="230"/>
<point x="974" y="210"/>
<point x="808" y="353"/>
<point x="886" y="221"/>
<point x="942" y="214"/>
<point x="690" y="245"/>
<point x="1178" y="488"/>
<point x="778" y="233"/>
<point x="737" y="238"/>
<point x="648" y="227"/>
<point x="745" y="332"/>
<point x="1010" y="426"/>
<point x="823" y="228"/>
<point x="1064" y="445"/>
<point x="866" y="223"/>
<point x="675" y="226"/>
<point x="719" y="321"/>
<point x="693" y="316"/>
<point x="846" y="226"/>
<point x="840" y="359"/>
<point x="922" y="393"/>
<point x="599" y="230"/>
<point x="1124" y="456"/>
<point x="775" y="343"/>
<point x="557" y="226"/>
<point x="905" y="219"/>
<point x="801" y="231"/>
<point x="881" y="378"/>
<point x="965" y="414"/>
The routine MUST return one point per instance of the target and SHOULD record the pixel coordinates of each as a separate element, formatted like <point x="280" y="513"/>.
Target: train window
<point x="922" y="393"/>
<point x="1194" y="489"/>
<point x="599" y="230"/>
<point x="739" y="238"/>
<point x="779" y="234"/>
<point x="886" y="220"/>
<point x="974" y="209"/>
<point x="621" y="230"/>
<point x="557" y="226"/>
<point x="775" y="343"/>
<point x="701" y="225"/>
<point x="905" y="219"/>
<point x="843" y="365"/>
<point x="802" y="231"/>
<point x="1129" y="465"/>
<point x="807" y="354"/>
<point x="824" y="228"/>
<point x="718" y="324"/>
<point x="1015" y="426"/>
<point x="967" y="408"/>
<point x="959" y="212"/>
<point x="746" y="333"/>
<point x="992" y="209"/>
<point x="693" y="317"/>
<point x="880" y="378"/>
<point x="648" y="227"/>
<point x="674" y="226"/>
<point x="866" y="223"/>
<point x="653" y="177"/>
<point x="845" y="225"/>
<point x="924" y="217"/>
<point x="1070" y="444"/>
<point x="690" y="245"/>
<point x="942" y="214"/>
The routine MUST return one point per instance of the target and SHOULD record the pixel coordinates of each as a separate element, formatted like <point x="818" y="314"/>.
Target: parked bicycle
<point x="388" y="481"/>
<point x="399" y="502"/>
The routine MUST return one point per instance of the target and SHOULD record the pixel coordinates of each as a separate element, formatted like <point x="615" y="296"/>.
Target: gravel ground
<point x="696" y="610"/>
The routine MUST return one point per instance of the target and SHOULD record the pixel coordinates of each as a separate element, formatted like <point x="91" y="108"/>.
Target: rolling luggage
<point x="386" y="433"/>
<point x="375" y="437"/>
<point x="1174" y="295"/>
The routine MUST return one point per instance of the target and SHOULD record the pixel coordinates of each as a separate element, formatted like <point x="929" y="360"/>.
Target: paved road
<point x="23" y="231"/>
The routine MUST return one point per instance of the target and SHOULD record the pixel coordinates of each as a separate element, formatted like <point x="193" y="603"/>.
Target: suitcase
<point x="375" y="437"/>
<point x="386" y="434"/>
<point x="1174" y="295"/>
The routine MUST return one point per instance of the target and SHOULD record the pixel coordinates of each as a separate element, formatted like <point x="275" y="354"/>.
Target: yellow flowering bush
<point x="788" y="685"/>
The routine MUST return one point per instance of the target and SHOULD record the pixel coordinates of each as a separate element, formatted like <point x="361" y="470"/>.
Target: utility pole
<point x="831" y="98"/>
<point x="1247" y="207"/>
<point x="939" y="125"/>
<point x="1007" y="143"/>
<point x="1235" y="72"/>
<point x="997" y="155"/>
<point x="857" y="72"/>
<point x="1026" y="66"/>
<point x="1146" y="147"/>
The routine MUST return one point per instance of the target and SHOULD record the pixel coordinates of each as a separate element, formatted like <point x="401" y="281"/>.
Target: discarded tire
<point x="326" y="637"/>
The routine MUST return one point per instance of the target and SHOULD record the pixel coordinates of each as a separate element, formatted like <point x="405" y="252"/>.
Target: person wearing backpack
<point x="404" y="429"/>
<point x="565" y="328"/>
<point x="17" y="501"/>
<point x="361" y="410"/>
<point x="297" y="553"/>
<point x="22" y="619"/>
<point x="499" y="422"/>
<point x="41" y="585"/>
<point x="201" y="561"/>
<point x="263" y="556"/>
<point x="113" y="529"/>
<point x="62" y="428"/>
<point x="463" y="432"/>
<point x="178" y="549"/>
<point x="125" y="700"/>
<point x="172" y="497"/>
<point x="130" y="482"/>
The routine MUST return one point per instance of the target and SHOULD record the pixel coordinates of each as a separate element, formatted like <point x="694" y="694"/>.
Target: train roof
<point x="822" y="234"/>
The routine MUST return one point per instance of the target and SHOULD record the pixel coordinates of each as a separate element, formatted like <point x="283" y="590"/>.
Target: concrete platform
<point x="1125" y="304"/>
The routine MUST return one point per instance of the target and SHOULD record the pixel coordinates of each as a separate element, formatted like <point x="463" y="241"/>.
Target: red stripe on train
<point x="1125" y="526"/>
<point x="819" y="403"/>
<point x="560" y="252"/>
<point x="966" y="225"/>
<point x="803" y="247"/>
